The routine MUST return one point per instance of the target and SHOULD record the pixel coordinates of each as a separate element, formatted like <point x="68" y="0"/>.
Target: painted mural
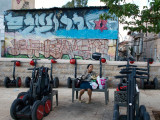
<point x="60" y="33"/>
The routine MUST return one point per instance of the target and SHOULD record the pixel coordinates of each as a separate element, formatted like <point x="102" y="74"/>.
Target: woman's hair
<point x="89" y="65"/>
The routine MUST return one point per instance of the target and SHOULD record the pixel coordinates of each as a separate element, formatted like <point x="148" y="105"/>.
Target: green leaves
<point x="76" y="3"/>
<point x="148" y="20"/>
<point x="106" y="16"/>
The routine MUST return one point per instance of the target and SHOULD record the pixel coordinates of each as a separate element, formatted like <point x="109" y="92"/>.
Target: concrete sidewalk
<point x="67" y="110"/>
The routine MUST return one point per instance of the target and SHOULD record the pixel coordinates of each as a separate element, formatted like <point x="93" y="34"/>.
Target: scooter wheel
<point x="26" y="99"/>
<point x="37" y="110"/>
<point x="155" y="80"/>
<point x="56" y="82"/>
<point x="27" y="82"/>
<point x="142" y="110"/>
<point x="47" y="105"/>
<point x="16" y="106"/>
<point x="69" y="82"/>
<point x="142" y="83"/>
<point x="18" y="82"/>
<point x="115" y="115"/>
<point x="146" y="116"/>
<point x="6" y="81"/>
<point x="116" y="107"/>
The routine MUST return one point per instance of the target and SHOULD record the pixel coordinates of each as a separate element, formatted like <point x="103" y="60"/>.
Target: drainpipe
<point x="0" y="48"/>
<point x="117" y="43"/>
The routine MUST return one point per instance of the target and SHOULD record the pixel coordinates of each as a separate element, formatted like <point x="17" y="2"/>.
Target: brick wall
<point x="63" y="69"/>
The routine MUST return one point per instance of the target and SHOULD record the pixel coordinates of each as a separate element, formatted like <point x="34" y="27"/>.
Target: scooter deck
<point x="123" y="117"/>
<point x="25" y="112"/>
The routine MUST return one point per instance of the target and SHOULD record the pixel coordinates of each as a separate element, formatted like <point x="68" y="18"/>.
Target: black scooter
<point x="149" y="84"/>
<point x="15" y="82"/>
<point x="37" y="101"/>
<point x="33" y="62"/>
<point x="54" y="81"/>
<point x="129" y="97"/>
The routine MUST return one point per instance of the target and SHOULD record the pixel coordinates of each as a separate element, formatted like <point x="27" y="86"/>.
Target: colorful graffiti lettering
<point x="78" y="23"/>
<point x="60" y="48"/>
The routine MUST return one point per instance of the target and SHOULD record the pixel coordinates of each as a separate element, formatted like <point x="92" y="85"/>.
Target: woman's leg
<point x="89" y="94"/>
<point x="81" y="93"/>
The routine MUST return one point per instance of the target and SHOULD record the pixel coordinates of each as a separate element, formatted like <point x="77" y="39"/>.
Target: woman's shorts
<point x="85" y="85"/>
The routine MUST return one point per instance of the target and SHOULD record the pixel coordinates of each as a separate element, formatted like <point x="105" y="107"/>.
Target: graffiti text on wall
<point x="61" y="48"/>
<point x="81" y="24"/>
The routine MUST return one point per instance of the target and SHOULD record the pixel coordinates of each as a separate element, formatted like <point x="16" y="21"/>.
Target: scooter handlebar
<point x="36" y="59"/>
<point x="15" y="61"/>
<point x="121" y="76"/>
<point x="126" y="66"/>
<point x="32" y="68"/>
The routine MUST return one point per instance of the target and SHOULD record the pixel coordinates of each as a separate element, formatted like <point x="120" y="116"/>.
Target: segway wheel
<point x="27" y="82"/>
<point x="56" y="82"/>
<point x="21" y="95"/>
<point x="47" y="105"/>
<point x="38" y="110"/>
<point x="6" y="81"/>
<point x="142" y="110"/>
<point x="142" y="83"/>
<point x="16" y="106"/>
<point x="69" y="82"/>
<point x="115" y="115"/>
<point x="155" y="83"/>
<point x="146" y="116"/>
<point x="116" y="107"/>
<point x="18" y="82"/>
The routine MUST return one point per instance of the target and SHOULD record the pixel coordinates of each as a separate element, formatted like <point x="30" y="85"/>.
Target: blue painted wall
<point x="62" y="23"/>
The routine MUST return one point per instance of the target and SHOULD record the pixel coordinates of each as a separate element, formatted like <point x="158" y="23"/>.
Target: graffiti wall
<point x="60" y="33"/>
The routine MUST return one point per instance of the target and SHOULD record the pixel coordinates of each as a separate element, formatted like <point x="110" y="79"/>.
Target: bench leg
<point x="72" y="95"/>
<point x="106" y="97"/>
<point x="76" y="94"/>
<point x="57" y="99"/>
<point x="51" y="95"/>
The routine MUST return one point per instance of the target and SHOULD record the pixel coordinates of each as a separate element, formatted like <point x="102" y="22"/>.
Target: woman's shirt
<point x="87" y="76"/>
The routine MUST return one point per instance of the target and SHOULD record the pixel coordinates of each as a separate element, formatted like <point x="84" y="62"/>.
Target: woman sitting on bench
<point x="85" y="85"/>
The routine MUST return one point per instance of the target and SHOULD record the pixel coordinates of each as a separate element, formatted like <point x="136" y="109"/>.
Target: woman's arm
<point x="84" y="76"/>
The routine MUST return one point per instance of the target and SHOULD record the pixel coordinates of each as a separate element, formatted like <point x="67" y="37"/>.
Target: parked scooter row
<point x="17" y="82"/>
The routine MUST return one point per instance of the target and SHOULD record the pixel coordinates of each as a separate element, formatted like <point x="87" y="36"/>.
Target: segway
<point x="122" y="86"/>
<point x="134" y="112"/>
<point x="37" y="101"/>
<point x="33" y="62"/>
<point x="15" y="82"/>
<point x="149" y="84"/>
<point x="69" y="81"/>
<point x="97" y="56"/>
<point x="55" y="80"/>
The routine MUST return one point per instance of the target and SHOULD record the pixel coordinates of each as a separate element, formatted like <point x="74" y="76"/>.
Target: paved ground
<point x="67" y="110"/>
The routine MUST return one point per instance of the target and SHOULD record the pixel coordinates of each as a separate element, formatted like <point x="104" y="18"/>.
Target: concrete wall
<point x="63" y="69"/>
